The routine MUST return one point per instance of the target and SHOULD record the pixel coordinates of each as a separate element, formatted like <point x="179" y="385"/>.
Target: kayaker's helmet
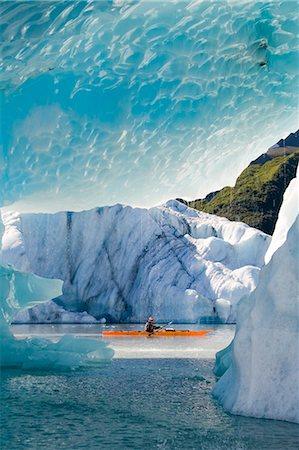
<point x="151" y="319"/>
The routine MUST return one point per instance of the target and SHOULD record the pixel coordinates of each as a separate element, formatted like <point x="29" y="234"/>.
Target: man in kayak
<point x="150" y="326"/>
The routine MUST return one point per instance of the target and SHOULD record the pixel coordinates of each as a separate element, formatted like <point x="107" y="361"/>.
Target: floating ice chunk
<point x="19" y="290"/>
<point x="50" y="312"/>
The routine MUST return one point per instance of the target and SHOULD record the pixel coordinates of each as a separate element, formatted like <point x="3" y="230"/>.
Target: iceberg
<point x="123" y="264"/>
<point x="260" y="368"/>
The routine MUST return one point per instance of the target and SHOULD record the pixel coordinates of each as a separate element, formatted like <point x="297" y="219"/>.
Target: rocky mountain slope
<point x="257" y="195"/>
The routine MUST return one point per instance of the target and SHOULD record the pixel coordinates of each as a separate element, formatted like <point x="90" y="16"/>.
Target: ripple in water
<point x="164" y="404"/>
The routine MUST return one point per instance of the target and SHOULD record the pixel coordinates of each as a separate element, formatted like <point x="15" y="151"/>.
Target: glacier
<point x="260" y="368"/>
<point x="123" y="264"/>
<point x="138" y="102"/>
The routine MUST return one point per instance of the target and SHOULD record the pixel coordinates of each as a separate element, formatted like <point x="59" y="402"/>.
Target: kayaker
<point x="150" y="326"/>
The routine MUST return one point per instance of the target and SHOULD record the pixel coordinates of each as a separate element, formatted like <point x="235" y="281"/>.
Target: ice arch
<point x="141" y="101"/>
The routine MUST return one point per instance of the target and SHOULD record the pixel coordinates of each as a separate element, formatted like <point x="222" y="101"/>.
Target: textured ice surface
<point x="50" y="312"/>
<point x="140" y="101"/>
<point x="262" y="378"/>
<point x="287" y="216"/>
<point x="126" y="263"/>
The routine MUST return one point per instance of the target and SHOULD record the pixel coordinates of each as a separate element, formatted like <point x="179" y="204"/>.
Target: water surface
<point x="133" y="403"/>
<point x="141" y="347"/>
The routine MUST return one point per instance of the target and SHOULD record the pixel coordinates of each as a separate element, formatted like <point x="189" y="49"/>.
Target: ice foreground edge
<point x="19" y="290"/>
<point x="261" y="365"/>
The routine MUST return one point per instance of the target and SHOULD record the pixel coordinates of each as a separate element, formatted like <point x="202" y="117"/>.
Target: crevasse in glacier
<point x="140" y="101"/>
<point x="261" y="365"/>
<point x="124" y="264"/>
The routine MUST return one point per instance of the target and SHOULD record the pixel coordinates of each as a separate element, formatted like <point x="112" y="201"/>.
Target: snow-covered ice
<point x="261" y="366"/>
<point x="123" y="263"/>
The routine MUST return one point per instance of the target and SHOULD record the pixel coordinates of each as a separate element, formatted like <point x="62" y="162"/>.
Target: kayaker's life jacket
<point x="150" y="327"/>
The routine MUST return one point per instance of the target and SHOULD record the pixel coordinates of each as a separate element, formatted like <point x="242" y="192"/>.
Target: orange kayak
<point x="158" y="333"/>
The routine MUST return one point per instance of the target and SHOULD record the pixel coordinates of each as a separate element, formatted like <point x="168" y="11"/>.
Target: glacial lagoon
<point x="156" y="392"/>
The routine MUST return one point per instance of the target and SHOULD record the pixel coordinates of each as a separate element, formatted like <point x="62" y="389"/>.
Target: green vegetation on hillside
<point x="257" y="195"/>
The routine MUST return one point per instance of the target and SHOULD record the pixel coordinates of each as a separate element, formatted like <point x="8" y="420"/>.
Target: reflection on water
<point x="142" y="347"/>
<point x="130" y="404"/>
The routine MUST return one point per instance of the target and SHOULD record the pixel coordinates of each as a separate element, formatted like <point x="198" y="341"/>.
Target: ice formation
<point x="140" y="101"/>
<point x="261" y="366"/>
<point x="50" y="312"/>
<point x="20" y="290"/>
<point x="123" y="263"/>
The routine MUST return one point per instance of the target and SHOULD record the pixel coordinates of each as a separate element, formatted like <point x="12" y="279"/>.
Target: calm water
<point x="133" y="403"/>
<point x="204" y="347"/>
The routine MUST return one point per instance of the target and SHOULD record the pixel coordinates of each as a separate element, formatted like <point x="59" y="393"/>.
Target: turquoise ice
<point x="141" y="101"/>
<point x="20" y="290"/>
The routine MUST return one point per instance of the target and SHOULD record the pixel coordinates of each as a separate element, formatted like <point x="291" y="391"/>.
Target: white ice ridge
<point x="140" y="101"/>
<point x="123" y="264"/>
<point x="261" y="366"/>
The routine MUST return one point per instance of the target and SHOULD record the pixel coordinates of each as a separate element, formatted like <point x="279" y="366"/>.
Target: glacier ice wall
<point x="261" y="365"/>
<point x="124" y="264"/>
<point x="140" y="101"/>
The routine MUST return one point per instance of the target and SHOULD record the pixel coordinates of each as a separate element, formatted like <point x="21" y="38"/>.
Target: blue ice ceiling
<point x="138" y="102"/>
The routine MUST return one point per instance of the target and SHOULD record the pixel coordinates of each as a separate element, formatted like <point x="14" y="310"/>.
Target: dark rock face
<point x="291" y="141"/>
<point x="261" y="160"/>
<point x="257" y="195"/>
